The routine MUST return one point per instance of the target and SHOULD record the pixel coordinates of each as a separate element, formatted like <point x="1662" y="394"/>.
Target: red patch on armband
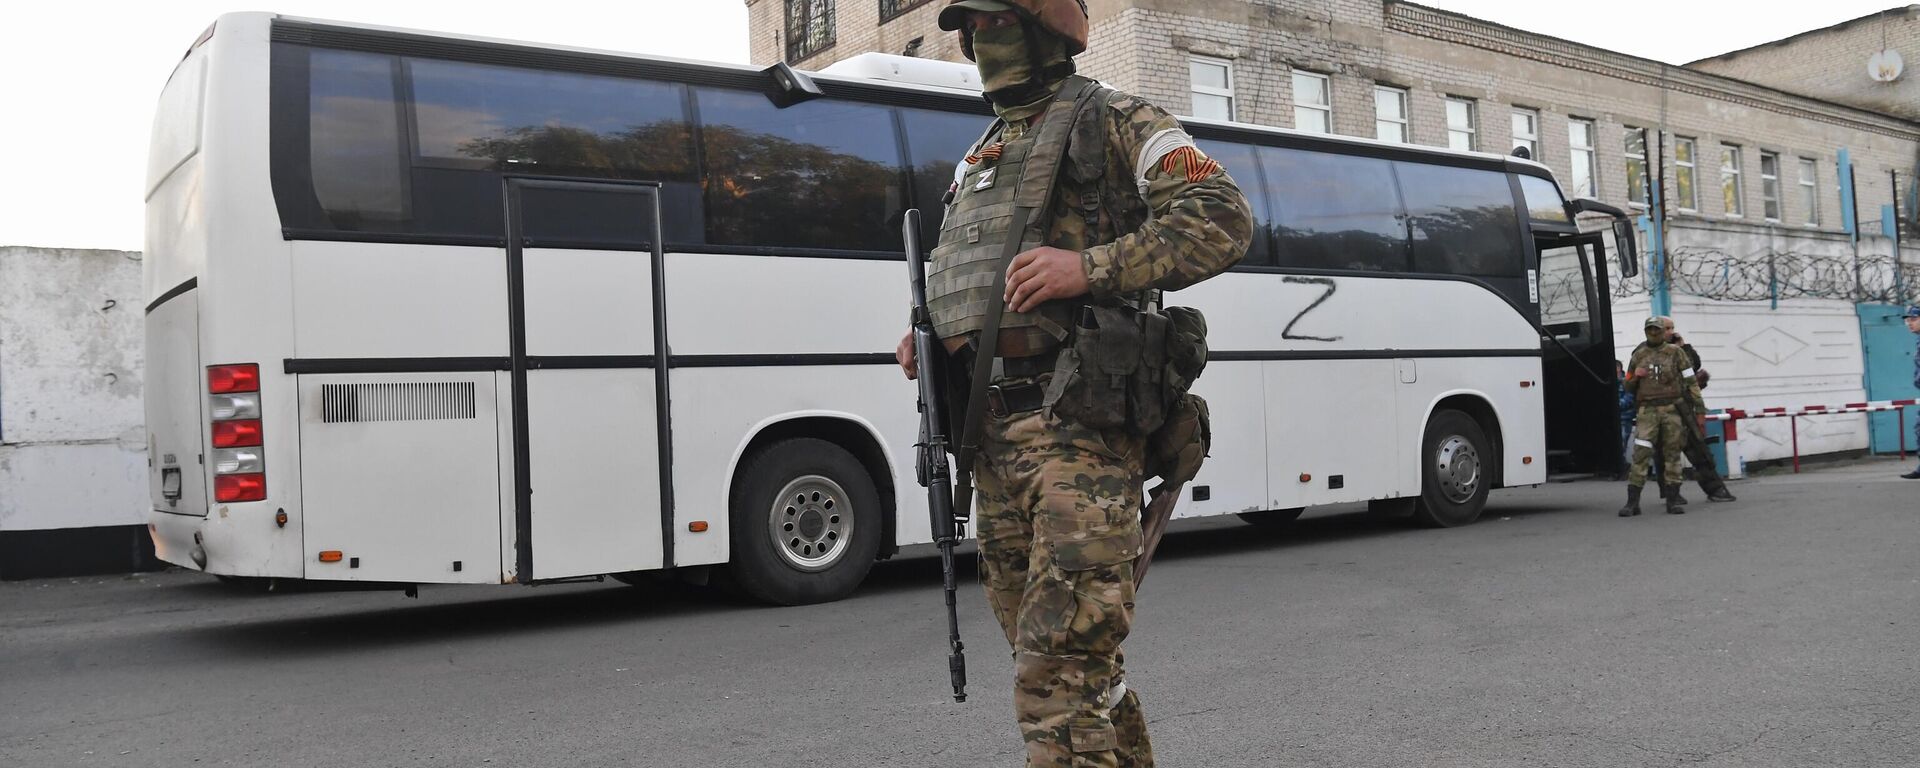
<point x="1189" y="162"/>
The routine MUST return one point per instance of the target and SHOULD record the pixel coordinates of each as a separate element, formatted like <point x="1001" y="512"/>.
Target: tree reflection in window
<point x="809" y="27"/>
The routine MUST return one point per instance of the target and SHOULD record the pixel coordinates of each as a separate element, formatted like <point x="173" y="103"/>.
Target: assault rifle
<point x="949" y="524"/>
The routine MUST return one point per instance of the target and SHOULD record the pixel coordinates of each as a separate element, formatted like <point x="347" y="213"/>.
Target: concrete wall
<point x="1831" y="63"/>
<point x="72" y="444"/>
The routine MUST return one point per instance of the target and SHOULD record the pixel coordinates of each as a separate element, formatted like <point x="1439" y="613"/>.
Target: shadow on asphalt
<point x="510" y="611"/>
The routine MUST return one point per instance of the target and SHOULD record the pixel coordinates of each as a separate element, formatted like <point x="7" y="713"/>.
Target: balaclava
<point x="1021" y="68"/>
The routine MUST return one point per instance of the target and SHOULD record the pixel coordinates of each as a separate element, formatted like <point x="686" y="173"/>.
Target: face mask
<point x="1007" y="71"/>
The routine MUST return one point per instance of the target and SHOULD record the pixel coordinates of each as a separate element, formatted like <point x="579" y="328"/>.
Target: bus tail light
<point x="239" y="456"/>
<point x="236" y="434"/>
<point x="232" y="488"/>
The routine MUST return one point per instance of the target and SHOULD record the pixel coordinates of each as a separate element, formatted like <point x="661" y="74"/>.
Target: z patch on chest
<point x="986" y="179"/>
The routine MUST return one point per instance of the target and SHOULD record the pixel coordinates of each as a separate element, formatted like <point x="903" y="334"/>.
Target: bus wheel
<point x="1272" y="518"/>
<point x="805" y="523"/>
<point x="1454" y="468"/>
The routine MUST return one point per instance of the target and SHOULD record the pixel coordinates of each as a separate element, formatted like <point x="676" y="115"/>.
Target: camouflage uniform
<point x="1705" y="472"/>
<point x="1059" y="503"/>
<point x="1659" y="422"/>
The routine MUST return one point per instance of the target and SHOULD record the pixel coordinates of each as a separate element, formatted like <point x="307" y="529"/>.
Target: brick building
<point x="1759" y="252"/>
<point x="1833" y="62"/>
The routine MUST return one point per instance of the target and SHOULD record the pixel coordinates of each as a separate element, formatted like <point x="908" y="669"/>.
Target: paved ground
<point x="1778" y="631"/>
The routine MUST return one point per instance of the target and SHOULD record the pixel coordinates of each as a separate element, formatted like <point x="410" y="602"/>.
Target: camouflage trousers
<point x="1059" y="526"/>
<point x="1657" y="426"/>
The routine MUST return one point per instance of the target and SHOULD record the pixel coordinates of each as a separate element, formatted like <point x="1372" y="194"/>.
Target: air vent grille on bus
<point x="407" y="401"/>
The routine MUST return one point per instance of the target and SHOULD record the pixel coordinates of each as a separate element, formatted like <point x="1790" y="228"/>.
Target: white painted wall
<point x="72" y="443"/>
<point x="1804" y="352"/>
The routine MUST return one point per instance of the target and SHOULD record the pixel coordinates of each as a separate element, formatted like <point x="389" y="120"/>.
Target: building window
<point x="1526" y="131"/>
<point x="891" y="8"/>
<point x="1460" y="130"/>
<point x="1770" y="185"/>
<point x="1730" y="187"/>
<point x="1580" y="140"/>
<point x="1212" y="81"/>
<point x="809" y="28"/>
<point x="1636" y="151"/>
<point x="1810" y="190"/>
<point x="1688" y="198"/>
<point x="1390" y="114"/>
<point x="1312" y="102"/>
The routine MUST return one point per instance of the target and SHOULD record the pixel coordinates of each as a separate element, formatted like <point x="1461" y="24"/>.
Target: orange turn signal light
<point x="697" y="526"/>
<point x="1306" y="478"/>
<point x="330" y="556"/>
<point x="1526" y="459"/>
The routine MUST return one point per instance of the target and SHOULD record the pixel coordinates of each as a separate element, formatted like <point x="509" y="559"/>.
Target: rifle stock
<point x="935" y="474"/>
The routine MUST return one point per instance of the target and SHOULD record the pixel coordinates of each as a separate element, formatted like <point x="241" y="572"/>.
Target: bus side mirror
<point x="1624" y="244"/>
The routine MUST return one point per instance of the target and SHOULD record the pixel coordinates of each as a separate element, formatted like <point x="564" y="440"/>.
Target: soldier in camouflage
<point x="1133" y="208"/>
<point x="1660" y="377"/>
<point x="1698" y="454"/>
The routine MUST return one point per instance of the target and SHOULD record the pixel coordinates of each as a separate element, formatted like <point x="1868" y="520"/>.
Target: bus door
<point x="588" y="381"/>
<point x="1583" y="424"/>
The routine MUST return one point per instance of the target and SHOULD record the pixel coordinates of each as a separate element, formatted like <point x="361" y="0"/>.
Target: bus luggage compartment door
<point x="582" y="263"/>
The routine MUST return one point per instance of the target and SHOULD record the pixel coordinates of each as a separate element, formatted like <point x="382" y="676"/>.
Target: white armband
<point x="1159" y="146"/>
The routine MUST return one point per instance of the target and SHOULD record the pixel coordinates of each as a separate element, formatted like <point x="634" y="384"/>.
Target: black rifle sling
<point x="1043" y="172"/>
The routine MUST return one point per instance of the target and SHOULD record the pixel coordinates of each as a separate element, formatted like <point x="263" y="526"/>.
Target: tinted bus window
<point x="1543" y="200"/>
<point x="1463" y="221"/>
<point x="818" y="174"/>
<point x="1334" y="211"/>
<point x="1243" y="166"/>
<point x="936" y="142"/>
<point x="476" y="117"/>
<point x="356" y="145"/>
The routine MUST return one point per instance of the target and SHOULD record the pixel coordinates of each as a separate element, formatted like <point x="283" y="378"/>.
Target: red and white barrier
<point x="1737" y="464"/>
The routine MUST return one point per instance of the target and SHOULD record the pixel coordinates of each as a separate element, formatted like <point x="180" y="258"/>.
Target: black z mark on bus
<point x="1325" y="282"/>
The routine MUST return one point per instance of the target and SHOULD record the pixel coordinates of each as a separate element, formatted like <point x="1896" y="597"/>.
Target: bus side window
<point x="936" y="142"/>
<point x="1463" y="220"/>
<point x="1243" y="165"/>
<point x="354" y="148"/>
<point x="819" y="174"/>
<point x="1330" y="211"/>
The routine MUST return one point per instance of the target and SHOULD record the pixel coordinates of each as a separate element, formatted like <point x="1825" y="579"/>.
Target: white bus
<point x="435" y="309"/>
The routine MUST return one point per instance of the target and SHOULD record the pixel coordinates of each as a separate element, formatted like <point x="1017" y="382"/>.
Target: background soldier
<point x="1692" y="415"/>
<point x="1135" y="208"/>
<point x="1913" y="324"/>
<point x="1660" y="377"/>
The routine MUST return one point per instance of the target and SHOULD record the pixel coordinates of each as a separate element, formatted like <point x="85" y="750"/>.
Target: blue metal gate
<point x="1888" y="349"/>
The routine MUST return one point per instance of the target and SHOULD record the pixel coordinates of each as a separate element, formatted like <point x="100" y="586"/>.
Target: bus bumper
<point x="234" y="540"/>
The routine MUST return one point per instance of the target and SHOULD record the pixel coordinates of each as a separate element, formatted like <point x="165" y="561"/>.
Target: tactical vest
<point x="973" y="236"/>
<point x="1667" y="365"/>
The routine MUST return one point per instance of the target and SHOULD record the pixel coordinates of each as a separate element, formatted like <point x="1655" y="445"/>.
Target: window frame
<point x="1471" y="130"/>
<point x="1734" y="198"/>
<point x="1770" y="188"/>
<point x="1533" y="138"/>
<point x="1326" y="91"/>
<point x="795" y="47"/>
<point x="1590" y="150"/>
<point x="1404" y="97"/>
<point x="1691" y="168"/>
<point x="1645" y="188"/>
<point x="1193" y="87"/>
<point x="900" y="8"/>
<point x="1810" y="190"/>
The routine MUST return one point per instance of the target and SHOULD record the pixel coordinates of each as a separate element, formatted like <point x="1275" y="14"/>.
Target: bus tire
<point x="1455" y="460"/>
<point x="1272" y="518"/>
<point x="806" y="523"/>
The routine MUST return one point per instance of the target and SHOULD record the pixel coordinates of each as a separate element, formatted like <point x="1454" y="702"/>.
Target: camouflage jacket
<point x="1190" y="223"/>
<point x="1671" y="379"/>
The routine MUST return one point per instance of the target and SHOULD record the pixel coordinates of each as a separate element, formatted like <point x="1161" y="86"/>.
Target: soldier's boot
<point x="1671" y="494"/>
<point x="1674" y="504"/>
<point x="1717" y="490"/>
<point x="1632" y="506"/>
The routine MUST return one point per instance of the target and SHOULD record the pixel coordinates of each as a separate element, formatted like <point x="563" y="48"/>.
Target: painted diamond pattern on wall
<point x="1773" y="345"/>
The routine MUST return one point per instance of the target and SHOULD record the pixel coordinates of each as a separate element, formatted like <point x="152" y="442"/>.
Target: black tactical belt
<point x="1004" y="400"/>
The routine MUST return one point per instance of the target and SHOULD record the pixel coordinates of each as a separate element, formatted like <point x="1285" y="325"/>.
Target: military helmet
<point x="1066" y="18"/>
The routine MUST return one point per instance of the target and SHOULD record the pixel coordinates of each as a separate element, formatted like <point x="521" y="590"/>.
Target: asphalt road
<point x="1777" y="631"/>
